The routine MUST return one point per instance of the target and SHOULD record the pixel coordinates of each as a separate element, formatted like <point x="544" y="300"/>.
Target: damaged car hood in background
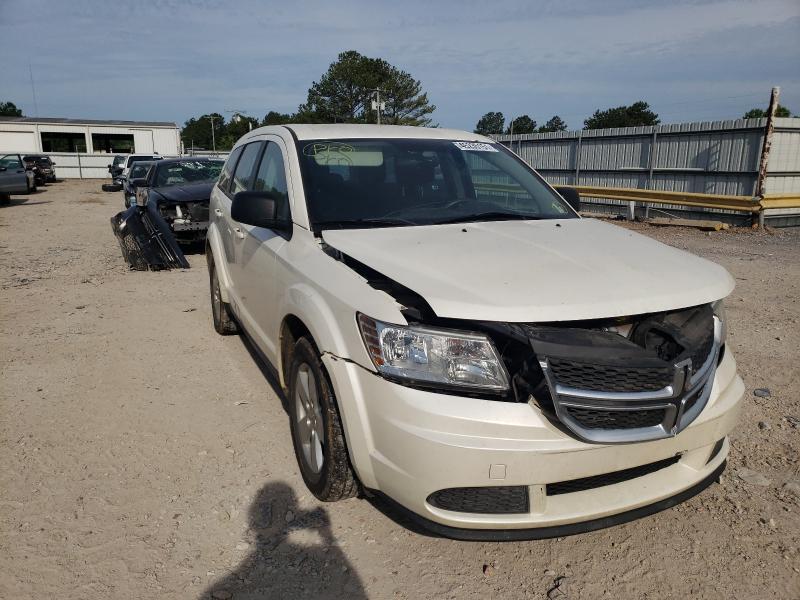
<point x="527" y="271"/>
<point x="190" y="192"/>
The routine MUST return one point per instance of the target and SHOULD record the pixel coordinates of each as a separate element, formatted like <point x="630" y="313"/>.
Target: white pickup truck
<point x="452" y="336"/>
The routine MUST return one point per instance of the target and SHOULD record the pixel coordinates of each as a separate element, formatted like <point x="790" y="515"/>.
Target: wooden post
<point x="762" y="165"/>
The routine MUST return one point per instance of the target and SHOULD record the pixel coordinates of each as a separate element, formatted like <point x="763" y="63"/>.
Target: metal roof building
<point x="87" y="136"/>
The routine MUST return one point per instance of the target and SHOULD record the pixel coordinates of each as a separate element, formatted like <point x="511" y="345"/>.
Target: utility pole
<point x="213" y="138"/>
<point x="762" y="165"/>
<point x="377" y="105"/>
<point x="237" y="116"/>
<point x="33" y="89"/>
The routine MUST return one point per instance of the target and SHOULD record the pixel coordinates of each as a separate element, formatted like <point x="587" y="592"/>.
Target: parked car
<point x="14" y="177"/>
<point x="115" y="167"/>
<point x="138" y="170"/>
<point x="179" y="189"/>
<point x="42" y="166"/>
<point x="122" y="164"/>
<point x="452" y="336"/>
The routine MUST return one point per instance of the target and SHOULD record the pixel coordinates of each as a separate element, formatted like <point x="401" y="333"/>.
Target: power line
<point x="33" y="89"/>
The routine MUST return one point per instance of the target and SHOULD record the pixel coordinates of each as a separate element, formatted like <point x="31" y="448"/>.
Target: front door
<point x="13" y="179"/>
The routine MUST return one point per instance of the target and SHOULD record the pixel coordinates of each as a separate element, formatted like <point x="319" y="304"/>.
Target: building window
<point x="59" y="141"/>
<point x="112" y="143"/>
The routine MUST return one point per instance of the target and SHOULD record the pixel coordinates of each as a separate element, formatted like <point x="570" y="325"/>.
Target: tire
<point x="224" y="323"/>
<point x="317" y="433"/>
<point x="111" y="187"/>
<point x="27" y="187"/>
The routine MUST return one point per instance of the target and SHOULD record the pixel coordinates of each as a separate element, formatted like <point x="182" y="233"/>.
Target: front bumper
<point x="408" y="443"/>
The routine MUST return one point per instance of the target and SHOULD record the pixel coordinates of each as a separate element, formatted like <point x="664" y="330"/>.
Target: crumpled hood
<point x="192" y="192"/>
<point x="536" y="271"/>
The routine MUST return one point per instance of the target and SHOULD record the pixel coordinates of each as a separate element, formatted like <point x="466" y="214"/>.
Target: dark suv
<point x="43" y="168"/>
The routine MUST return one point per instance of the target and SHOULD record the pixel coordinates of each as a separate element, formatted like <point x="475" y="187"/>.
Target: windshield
<point x="187" y="171"/>
<point x="395" y="182"/>
<point x="118" y="160"/>
<point x="139" y="169"/>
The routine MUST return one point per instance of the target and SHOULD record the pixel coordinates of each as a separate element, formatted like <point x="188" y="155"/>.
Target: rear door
<point x="241" y="181"/>
<point x="220" y="212"/>
<point x="13" y="179"/>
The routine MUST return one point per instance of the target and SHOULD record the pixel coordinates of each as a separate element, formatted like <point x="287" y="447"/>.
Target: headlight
<point x="719" y="312"/>
<point x="439" y="356"/>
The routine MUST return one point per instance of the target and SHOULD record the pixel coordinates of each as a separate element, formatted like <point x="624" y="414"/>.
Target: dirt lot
<point x="144" y="456"/>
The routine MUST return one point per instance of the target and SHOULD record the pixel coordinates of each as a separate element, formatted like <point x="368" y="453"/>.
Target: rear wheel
<point x="317" y="432"/>
<point x="224" y="324"/>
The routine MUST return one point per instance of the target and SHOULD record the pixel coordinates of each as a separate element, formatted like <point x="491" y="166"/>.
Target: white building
<point x="81" y="147"/>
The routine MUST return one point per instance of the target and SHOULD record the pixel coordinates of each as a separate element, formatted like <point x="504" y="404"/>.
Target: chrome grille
<point x="608" y="408"/>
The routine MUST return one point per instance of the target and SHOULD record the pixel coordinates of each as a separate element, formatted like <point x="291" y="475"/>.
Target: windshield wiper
<point x="362" y="223"/>
<point x="489" y="216"/>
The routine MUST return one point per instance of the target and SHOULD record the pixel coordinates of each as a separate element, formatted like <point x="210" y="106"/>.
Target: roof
<point x="339" y="131"/>
<point x="172" y="161"/>
<point x="58" y="121"/>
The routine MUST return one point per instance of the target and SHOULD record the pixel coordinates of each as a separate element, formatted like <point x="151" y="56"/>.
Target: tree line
<point x="637" y="114"/>
<point x="343" y="94"/>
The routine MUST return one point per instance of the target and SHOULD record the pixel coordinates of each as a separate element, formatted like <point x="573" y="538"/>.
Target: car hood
<point x="536" y="271"/>
<point x="191" y="192"/>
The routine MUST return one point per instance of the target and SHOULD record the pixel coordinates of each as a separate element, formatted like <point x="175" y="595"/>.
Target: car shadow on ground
<point x="194" y="247"/>
<point x="292" y="554"/>
<point x="22" y="202"/>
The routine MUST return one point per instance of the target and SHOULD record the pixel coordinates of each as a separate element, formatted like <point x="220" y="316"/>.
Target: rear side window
<point x="227" y="171"/>
<point x="10" y="161"/>
<point x="243" y="175"/>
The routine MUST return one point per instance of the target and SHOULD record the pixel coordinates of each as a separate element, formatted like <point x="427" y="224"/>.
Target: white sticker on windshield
<point x="475" y="146"/>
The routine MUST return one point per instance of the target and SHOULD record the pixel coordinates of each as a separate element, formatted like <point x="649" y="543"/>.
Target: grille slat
<point x="596" y="481"/>
<point x="589" y="376"/>
<point x="594" y="418"/>
<point x="483" y="500"/>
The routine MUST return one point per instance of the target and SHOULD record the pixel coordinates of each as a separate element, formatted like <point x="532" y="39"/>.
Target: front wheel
<point x="317" y="432"/>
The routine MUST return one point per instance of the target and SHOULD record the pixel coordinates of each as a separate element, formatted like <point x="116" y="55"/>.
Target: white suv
<point x="452" y="336"/>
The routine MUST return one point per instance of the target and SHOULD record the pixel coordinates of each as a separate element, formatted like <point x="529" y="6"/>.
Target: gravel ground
<point x="145" y="456"/>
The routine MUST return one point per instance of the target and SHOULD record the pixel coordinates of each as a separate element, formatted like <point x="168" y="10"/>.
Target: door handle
<point x="239" y="233"/>
<point x="218" y="212"/>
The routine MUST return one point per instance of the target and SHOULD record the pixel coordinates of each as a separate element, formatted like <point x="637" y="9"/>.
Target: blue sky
<point x="168" y="60"/>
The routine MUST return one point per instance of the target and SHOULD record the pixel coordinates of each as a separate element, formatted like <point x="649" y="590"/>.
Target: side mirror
<point x="571" y="195"/>
<point x="140" y="182"/>
<point x="260" y="209"/>
<point x="52" y="164"/>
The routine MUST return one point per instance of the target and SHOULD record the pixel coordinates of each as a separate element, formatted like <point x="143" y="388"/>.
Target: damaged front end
<point x="619" y="380"/>
<point x="188" y="220"/>
<point x="625" y="380"/>
<point x="146" y="241"/>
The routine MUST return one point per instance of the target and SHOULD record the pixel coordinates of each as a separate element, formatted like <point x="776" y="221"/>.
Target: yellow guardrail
<point x="780" y="201"/>
<point x="741" y="203"/>
<point x="752" y="204"/>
